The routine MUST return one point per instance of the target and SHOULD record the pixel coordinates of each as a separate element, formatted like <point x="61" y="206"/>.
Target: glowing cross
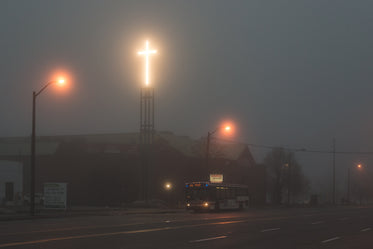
<point x="147" y="52"/>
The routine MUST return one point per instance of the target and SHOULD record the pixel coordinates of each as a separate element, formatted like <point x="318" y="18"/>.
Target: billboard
<point x="55" y="194"/>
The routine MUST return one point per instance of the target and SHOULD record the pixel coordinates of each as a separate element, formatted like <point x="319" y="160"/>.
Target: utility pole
<point x="208" y="151"/>
<point x="32" y="165"/>
<point x="348" y="184"/>
<point x="333" y="171"/>
<point x="289" y="179"/>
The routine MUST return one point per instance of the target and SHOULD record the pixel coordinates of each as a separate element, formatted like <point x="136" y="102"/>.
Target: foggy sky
<point x="288" y="73"/>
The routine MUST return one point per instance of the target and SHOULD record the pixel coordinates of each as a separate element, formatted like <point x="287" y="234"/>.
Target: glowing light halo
<point x="227" y="128"/>
<point x="147" y="53"/>
<point x="61" y="81"/>
<point x="168" y="186"/>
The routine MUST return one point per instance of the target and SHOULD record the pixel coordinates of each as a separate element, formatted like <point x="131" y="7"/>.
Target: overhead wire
<point x="297" y="149"/>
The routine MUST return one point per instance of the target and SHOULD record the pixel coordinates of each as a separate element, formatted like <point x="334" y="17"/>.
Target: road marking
<point x="329" y="240"/>
<point x="116" y="233"/>
<point x="201" y="240"/>
<point x="365" y="229"/>
<point x="317" y="222"/>
<point x="133" y="224"/>
<point x="75" y="228"/>
<point x="80" y="237"/>
<point x="122" y="225"/>
<point x="270" y="229"/>
<point x="109" y="226"/>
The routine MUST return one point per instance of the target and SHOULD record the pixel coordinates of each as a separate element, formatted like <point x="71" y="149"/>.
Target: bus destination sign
<point x="216" y="178"/>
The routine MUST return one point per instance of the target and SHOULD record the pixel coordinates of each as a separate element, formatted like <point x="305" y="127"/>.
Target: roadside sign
<point x="55" y="195"/>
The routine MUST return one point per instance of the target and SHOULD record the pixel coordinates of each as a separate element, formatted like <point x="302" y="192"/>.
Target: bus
<point x="209" y="196"/>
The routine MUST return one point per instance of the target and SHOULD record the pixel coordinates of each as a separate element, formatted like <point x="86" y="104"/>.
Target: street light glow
<point x="168" y="186"/>
<point x="147" y="53"/>
<point x="359" y="166"/>
<point x="61" y="82"/>
<point x="227" y="128"/>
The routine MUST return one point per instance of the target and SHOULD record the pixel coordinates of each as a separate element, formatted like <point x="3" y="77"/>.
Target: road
<point x="306" y="228"/>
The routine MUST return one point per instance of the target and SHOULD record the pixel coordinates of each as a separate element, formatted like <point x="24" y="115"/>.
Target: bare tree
<point x="285" y="177"/>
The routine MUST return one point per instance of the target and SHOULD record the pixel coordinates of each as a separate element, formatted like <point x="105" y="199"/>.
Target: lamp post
<point x="359" y="166"/>
<point x="168" y="187"/>
<point x="289" y="179"/>
<point x="226" y="128"/>
<point x="32" y="166"/>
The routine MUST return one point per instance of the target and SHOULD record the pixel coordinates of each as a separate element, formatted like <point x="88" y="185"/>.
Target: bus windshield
<point x="198" y="193"/>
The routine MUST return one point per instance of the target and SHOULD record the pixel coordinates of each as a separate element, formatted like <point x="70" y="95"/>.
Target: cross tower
<point x="147" y="102"/>
<point x="146" y="124"/>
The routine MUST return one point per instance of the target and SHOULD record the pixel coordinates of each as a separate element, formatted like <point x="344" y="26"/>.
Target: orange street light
<point x="59" y="81"/>
<point x="225" y="129"/>
<point x="359" y="167"/>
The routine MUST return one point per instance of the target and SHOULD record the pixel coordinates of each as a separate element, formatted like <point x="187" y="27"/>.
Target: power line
<point x="292" y="149"/>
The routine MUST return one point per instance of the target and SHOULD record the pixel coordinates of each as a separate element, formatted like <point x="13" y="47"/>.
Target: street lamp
<point x="168" y="187"/>
<point x="226" y="129"/>
<point x="288" y="167"/>
<point x="359" y="167"/>
<point x="60" y="82"/>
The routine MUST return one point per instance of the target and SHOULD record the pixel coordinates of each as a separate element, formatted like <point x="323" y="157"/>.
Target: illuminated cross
<point x="147" y="52"/>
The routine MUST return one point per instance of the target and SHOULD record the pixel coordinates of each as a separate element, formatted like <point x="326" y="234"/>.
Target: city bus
<point x="216" y="196"/>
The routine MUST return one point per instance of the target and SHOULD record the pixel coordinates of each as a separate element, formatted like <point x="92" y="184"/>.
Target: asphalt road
<point x="340" y="228"/>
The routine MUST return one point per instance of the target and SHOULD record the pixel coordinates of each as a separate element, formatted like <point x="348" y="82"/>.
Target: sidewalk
<point x="8" y="214"/>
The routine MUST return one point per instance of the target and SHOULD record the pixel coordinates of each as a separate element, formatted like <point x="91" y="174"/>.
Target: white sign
<point x="216" y="178"/>
<point x="55" y="195"/>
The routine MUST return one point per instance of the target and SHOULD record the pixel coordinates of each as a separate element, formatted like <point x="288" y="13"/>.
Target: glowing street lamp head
<point x="146" y="52"/>
<point x="168" y="186"/>
<point x="61" y="81"/>
<point x="359" y="166"/>
<point x="227" y="128"/>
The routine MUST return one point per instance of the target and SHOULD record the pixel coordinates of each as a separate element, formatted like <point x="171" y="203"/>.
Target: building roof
<point x="117" y="142"/>
<point x="20" y="146"/>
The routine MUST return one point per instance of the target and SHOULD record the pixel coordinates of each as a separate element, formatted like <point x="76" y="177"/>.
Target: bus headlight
<point x="205" y="204"/>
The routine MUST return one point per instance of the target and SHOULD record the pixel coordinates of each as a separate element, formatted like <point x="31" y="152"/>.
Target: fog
<point x="287" y="73"/>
